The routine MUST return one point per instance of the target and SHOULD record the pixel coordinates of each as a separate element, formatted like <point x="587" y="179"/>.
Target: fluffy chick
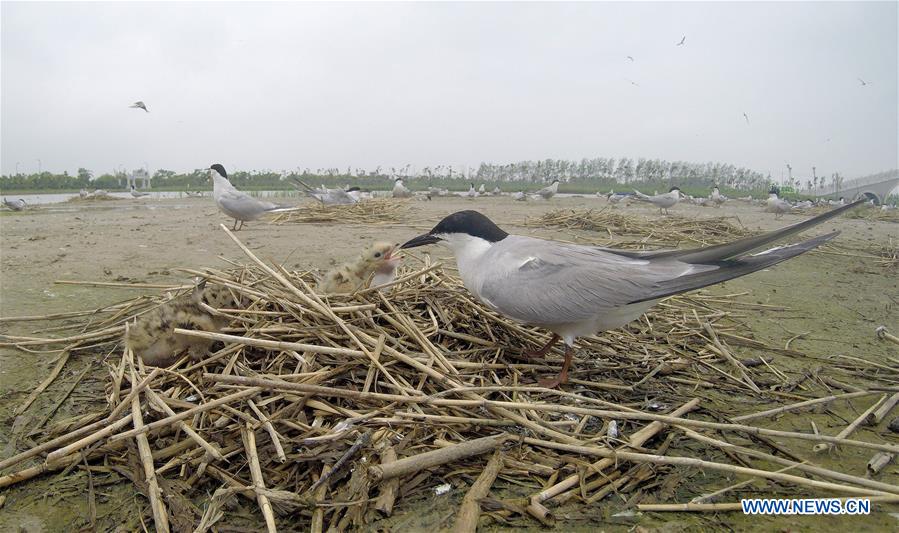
<point x="378" y="259"/>
<point x="152" y="336"/>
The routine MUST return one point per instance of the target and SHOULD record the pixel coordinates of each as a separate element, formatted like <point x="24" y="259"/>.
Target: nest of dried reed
<point x="674" y="231"/>
<point x="332" y="412"/>
<point x="374" y="211"/>
<point x="92" y="198"/>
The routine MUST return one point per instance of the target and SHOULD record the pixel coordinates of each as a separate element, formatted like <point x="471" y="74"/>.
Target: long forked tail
<point x="300" y="185"/>
<point x="734" y="268"/>
<point x="283" y="209"/>
<point x="642" y="196"/>
<point x="736" y="248"/>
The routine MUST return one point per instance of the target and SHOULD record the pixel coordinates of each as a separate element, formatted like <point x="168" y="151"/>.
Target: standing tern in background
<point x="400" y="190"/>
<point x="574" y="290"/>
<point x="330" y="196"/>
<point x="776" y="205"/>
<point x="15" y="205"/>
<point x="614" y="197"/>
<point x="138" y="194"/>
<point x="237" y="204"/>
<point x="662" y="201"/>
<point x="717" y="197"/>
<point x="548" y="192"/>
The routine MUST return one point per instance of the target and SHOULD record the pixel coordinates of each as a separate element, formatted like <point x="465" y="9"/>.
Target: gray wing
<point x="242" y="204"/>
<point x="544" y="282"/>
<point x="559" y="284"/>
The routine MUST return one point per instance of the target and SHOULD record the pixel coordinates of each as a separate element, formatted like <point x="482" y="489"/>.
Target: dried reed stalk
<point x="470" y="511"/>
<point x="428" y="372"/>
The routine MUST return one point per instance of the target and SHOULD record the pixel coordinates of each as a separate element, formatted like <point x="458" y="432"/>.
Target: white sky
<point x="287" y="85"/>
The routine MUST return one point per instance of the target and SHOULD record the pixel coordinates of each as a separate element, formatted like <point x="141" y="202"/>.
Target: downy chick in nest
<point x="152" y="336"/>
<point x="377" y="259"/>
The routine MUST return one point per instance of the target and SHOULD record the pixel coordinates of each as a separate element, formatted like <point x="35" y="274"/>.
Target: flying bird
<point x="863" y="82"/>
<point x="682" y="40"/>
<point x="574" y="290"/>
<point x="631" y="58"/>
<point x="632" y="82"/>
<point x="746" y="117"/>
<point x="237" y="204"/>
<point x="140" y="105"/>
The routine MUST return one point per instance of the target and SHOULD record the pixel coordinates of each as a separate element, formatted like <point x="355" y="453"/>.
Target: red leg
<point x="552" y="383"/>
<point x="539" y="354"/>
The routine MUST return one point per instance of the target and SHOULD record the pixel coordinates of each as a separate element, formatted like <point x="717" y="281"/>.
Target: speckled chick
<point x="377" y="259"/>
<point x="152" y="336"/>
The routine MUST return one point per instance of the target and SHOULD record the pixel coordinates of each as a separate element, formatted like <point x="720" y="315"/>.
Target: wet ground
<point x="835" y="300"/>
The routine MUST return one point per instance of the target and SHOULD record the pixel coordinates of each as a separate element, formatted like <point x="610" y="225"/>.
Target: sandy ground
<point x="835" y="300"/>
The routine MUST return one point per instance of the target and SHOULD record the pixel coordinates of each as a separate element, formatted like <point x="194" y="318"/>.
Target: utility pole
<point x="38" y="166"/>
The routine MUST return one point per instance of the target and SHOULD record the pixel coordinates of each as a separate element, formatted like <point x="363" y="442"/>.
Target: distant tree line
<point x="625" y="171"/>
<point x="579" y="176"/>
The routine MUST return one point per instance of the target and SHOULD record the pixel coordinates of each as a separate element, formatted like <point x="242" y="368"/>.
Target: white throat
<point x="468" y="251"/>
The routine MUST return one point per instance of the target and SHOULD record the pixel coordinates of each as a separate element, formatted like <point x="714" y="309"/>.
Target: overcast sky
<point x="280" y="86"/>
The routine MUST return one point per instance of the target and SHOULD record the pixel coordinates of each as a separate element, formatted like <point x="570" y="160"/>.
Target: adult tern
<point x="15" y="205"/>
<point x="237" y="204"/>
<point x="400" y="190"/>
<point x="574" y="290"/>
<point x="716" y="197"/>
<point x="776" y="205"/>
<point x="549" y="191"/>
<point x="330" y="196"/>
<point x="662" y="201"/>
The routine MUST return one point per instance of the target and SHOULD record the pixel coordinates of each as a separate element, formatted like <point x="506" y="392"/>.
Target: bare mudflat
<point x="821" y="308"/>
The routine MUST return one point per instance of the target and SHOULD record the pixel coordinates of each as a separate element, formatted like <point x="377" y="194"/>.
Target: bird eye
<point x="377" y="254"/>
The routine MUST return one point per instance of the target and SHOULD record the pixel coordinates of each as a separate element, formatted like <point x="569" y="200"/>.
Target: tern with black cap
<point x="237" y="204"/>
<point x="574" y="290"/>
<point x="662" y="201"/>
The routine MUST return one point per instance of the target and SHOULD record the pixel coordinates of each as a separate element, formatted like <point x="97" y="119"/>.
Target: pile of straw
<point x="673" y="232"/>
<point x="373" y="211"/>
<point x="92" y="198"/>
<point x="318" y="413"/>
<point x="874" y="213"/>
<point x="864" y="212"/>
